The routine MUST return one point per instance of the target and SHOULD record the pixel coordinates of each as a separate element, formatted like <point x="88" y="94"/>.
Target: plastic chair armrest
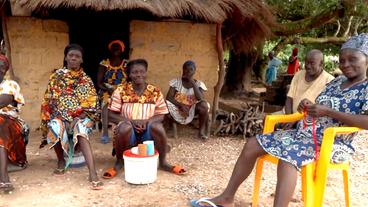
<point x="272" y="120"/>
<point x="328" y="140"/>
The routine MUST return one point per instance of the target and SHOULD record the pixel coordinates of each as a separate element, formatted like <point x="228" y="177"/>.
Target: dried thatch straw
<point x="249" y="20"/>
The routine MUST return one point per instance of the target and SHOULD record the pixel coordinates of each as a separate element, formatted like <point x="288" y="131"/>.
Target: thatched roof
<point x="253" y="14"/>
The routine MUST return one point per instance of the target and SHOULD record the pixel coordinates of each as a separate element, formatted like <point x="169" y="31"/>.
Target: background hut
<point x="166" y="33"/>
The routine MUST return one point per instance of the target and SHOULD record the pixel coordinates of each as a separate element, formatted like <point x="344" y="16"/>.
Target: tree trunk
<point x="221" y="72"/>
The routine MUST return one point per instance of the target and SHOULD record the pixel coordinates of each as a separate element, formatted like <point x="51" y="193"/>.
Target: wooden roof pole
<point x="221" y="72"/>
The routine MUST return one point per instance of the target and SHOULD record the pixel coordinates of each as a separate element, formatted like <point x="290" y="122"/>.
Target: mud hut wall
<point x="167" y="45"/>
<point x="36" y="49"/>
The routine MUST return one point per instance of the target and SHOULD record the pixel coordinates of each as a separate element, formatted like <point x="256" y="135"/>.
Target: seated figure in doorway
<point x="111" y="73"/>
<point x="185" y="98"/>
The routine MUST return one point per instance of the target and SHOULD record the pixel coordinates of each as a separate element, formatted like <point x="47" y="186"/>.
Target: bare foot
<point x="223" y="201"/>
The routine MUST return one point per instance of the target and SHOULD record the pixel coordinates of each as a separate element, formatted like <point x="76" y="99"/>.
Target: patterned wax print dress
<point x="13" y="130"/>
<point x="68" y="93"/>
<point x="114" y="76"/>
<point x="297" y="147"/>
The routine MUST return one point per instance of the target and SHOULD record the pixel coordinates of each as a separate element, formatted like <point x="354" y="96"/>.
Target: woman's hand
<point x="303" y="104"/>
<point x="184" y="108"/>
<point x="139" y="125"/>
<point x="316" y="110"/>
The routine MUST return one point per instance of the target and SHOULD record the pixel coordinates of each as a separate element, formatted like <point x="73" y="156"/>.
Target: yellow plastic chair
<point x="313" y="178"/>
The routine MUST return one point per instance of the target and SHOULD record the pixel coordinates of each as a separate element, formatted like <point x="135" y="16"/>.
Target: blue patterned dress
<point x="297" y="147"/>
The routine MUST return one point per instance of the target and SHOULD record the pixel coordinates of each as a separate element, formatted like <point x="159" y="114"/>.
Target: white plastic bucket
<point x="138" y="169"/>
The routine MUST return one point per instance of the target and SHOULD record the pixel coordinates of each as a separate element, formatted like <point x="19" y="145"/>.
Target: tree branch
<point x="306" y="24"/>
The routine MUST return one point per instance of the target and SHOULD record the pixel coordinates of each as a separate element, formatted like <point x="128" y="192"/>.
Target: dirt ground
<point x="209" y="165"/>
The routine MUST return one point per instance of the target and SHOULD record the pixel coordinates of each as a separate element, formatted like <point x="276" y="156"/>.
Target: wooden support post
<point x="7" y="43"/>
<point x="221" y="71"/>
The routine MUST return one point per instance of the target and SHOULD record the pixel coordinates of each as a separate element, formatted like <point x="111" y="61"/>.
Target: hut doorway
<point x="94" y="31"/>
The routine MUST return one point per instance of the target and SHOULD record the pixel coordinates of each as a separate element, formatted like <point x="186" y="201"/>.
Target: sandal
<point x="6" y="187"/>
<point x="178" y="170"/>
<point x="59" y="172"/>
<point x="97" y="185"/>
<point x="197" y="203"/>
<point x="105" y="139"/>
<point x="109" y="173"/>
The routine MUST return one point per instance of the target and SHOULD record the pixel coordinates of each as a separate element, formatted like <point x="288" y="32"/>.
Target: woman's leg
<point x="202" y="111"/>
<point x="88" y="155"/>
<point x="286" y="181"/>
<point x="105" y="123"/>
<point x="4" y="177"/>
<point x="243" y="167"/>
<point x="123" y="133"/>
<point x="60" y="155"/>
<point x="159" y="135"/>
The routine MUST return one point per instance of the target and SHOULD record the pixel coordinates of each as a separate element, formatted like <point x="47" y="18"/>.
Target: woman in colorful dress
<point x="111" y="73"/>
<point x="185" y="98"/>
<point x="138" y="109"/>
<point x="68" y="113"/>
<point x="13" y="130"/>
<point x="343" y="102"/>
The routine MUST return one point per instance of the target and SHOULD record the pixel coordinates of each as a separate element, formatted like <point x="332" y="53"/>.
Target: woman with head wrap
<point x="185" y="98"/>
<point x="13" y="130"/>
<point x="343" y="102"/>
<point x="293" y="65"/>
<point x="69" y="108"/>
<point x="111" y="73"/>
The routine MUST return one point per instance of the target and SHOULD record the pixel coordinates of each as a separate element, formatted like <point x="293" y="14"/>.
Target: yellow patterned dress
<point x="68" y="94"/>
<point x="113" y="76"/>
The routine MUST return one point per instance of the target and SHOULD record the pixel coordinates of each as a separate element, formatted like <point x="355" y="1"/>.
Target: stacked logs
<point x="248" y="122"/>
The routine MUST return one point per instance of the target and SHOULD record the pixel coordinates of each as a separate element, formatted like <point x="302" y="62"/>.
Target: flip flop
<point x="59" y="172"/>
<point x="105" y="139"/>
<point x="6" y="187"/>
<point x="178" y="170"/>
<point x="196" y="203"/>
<point x="109" y="173"/>
<point x="96" y="185"/>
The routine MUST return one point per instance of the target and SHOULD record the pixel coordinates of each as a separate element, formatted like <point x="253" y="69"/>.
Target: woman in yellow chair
<point x="343" y="102"/>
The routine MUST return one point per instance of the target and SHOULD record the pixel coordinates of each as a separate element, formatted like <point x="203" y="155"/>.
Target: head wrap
<point x="119" y="42"/>
<point x="189" y="63"/>
<point x="358" y="42"/>
<point x="5" y="60"/>
<point x="295" y="51"/>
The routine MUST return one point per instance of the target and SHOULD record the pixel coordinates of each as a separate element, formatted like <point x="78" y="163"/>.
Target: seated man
<point x="138" y="109"/>
<point x="185" y="99"/>
<point x="308" y="83"/>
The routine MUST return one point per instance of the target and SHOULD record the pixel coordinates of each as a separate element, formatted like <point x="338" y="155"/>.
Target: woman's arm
<point x="171" y="96"/>
<point x="5" y="100"/>
<point x="197" y="91"/>
<point x="100" y="77"/>
<point x="157" y="118"/>
<point x="358" y="120"/>
<point x="115" y="117"/>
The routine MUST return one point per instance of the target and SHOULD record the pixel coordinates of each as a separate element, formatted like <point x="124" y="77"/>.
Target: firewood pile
<point x="248" y="122"/>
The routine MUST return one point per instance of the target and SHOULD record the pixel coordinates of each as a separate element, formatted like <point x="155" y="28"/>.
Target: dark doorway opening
<point x="94" y="30"/>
